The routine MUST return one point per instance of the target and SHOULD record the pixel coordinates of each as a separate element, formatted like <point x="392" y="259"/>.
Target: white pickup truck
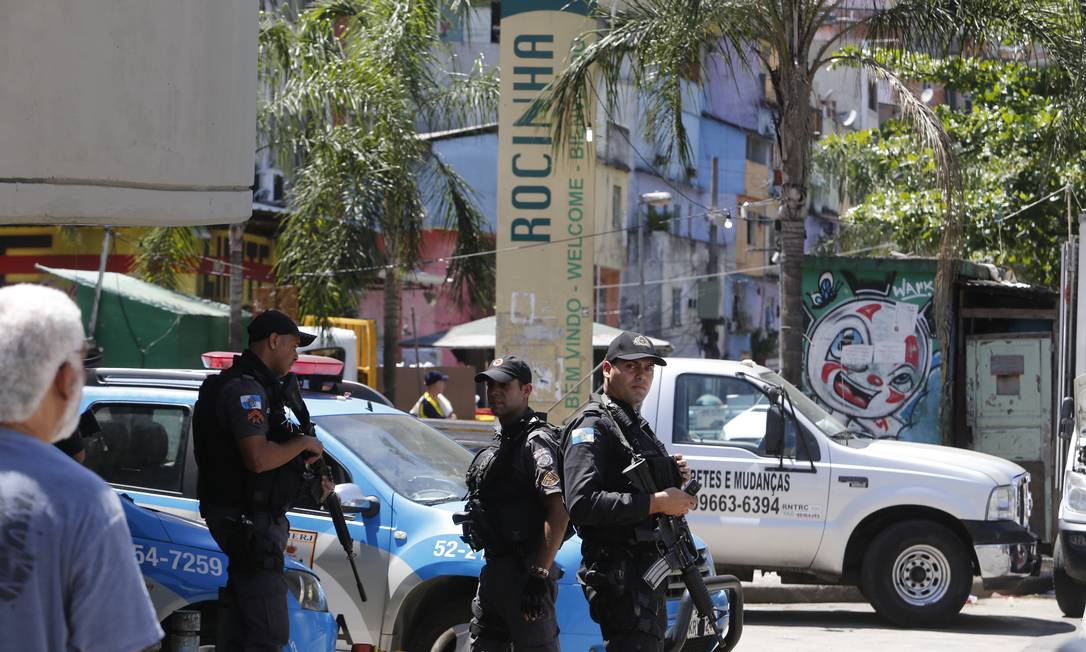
<point x="910" y="524"/>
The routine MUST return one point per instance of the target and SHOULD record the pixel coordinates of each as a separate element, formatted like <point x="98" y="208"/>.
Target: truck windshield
<point x="415" y="460"/>
<point x="823" y="420"/>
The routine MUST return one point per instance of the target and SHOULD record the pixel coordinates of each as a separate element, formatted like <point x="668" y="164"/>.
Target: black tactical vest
<point x="504" y="504"/>
<point x="223" y="479"/>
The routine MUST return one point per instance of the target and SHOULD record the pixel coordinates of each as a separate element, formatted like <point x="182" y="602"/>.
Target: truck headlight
<point x="307" y="590"/>
<point x="1002" y="504"/>
<point x="1075" y="497"/>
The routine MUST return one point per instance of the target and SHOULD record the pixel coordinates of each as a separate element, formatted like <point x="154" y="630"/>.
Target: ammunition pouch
<point x="249" y="548"/>
<point x="618" y="599"/>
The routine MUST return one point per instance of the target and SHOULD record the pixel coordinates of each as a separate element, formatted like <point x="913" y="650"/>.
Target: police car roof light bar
<point x="304" y="366"/>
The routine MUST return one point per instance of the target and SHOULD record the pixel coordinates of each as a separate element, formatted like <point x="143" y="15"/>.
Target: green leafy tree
<point x="657" y="45"/>
<point x="1006" y="144"/>
<point x="351" y="86"/>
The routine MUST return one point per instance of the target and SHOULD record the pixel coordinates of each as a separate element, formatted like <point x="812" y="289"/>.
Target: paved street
<point x="1021" y="623"/>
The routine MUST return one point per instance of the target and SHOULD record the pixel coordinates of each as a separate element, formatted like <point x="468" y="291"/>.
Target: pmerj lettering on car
<point x="399" y="481"/>
<point x="787" y="488"/>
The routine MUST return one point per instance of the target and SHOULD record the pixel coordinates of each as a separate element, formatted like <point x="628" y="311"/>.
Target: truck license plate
<point x="698" y="627"/>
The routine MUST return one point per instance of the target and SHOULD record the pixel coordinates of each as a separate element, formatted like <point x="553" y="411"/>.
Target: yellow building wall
<point x="80" y="248"/>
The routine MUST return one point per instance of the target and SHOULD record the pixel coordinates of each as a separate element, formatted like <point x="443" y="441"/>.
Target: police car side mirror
<point x="774" y="431"/>
<point x="355" y="502"/>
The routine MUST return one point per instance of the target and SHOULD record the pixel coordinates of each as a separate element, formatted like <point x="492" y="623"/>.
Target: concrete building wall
<point x="120" y="112"/>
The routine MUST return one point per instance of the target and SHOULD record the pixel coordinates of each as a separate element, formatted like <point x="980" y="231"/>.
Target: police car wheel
<point x="446" y="631"/>
<point x="917" y="574"/>
<point x="1070" y="595"/>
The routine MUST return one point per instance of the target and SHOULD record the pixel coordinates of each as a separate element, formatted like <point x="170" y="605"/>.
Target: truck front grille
<point x="675" y="586"/>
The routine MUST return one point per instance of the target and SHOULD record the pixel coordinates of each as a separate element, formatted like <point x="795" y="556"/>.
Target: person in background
<point x="68" y="578"/>
<point x="73" y="447"/>
<point x="433" y="404"/>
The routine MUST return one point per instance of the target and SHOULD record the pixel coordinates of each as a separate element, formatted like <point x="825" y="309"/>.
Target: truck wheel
<point x="917" y="574"/>
<point x="446" y="631"/>
<point x="1070" y="595"/>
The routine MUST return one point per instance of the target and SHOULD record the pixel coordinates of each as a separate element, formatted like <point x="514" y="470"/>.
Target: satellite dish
<point x="926" y="95"/>
<point x="849" y="119"/>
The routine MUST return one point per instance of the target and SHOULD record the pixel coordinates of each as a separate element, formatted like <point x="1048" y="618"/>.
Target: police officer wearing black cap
<point x="517" y="516"/>
<point x="599" y="442"/>
<point x="251" y="467"/>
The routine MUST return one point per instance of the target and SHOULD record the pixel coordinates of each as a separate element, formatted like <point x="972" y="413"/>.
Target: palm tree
<point x="350" y="85"/>
<point x="660" y="44"/>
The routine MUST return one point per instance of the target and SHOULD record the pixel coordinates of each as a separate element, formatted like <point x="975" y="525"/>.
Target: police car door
<point x="754" y="509"/>
<point x="313" y="542"/>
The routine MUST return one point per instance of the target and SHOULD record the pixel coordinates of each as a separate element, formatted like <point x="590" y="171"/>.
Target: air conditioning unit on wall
<point x="268" y="186"/>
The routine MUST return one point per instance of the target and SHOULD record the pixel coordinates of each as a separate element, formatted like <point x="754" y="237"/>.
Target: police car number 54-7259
<point x="179" y="560"/>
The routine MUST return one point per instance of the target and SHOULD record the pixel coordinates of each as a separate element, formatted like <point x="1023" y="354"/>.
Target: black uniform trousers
<point x="496" y="620"/>
<point x="256" y="589"/>
<point x="632" y="616"/>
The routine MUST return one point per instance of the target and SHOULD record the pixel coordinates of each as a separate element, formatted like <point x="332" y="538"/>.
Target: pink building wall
<point x="434" y="307"/>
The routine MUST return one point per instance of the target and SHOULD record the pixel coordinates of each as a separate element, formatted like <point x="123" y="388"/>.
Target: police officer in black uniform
<point x="251" y="466"/>
<point x="518" y="517"/>
<point x="598" y="444"/>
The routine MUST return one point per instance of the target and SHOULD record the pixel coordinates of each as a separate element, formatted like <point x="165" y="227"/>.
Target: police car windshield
<point x="414" y="459"/>
<point x="823" y="420"/>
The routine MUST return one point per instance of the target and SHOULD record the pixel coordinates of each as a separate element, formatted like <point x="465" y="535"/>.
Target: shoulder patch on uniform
<point x="582" y="436"/>
<point x="251" y="402"/>
<point x="543" y="458"/>
<point x="255" y="416"/>
<point x="550" y="480"/>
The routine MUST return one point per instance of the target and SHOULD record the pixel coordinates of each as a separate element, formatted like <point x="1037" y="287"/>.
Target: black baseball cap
<point x="273" y="321"/>
<point x="434" y="376"/>
<point x="633" y="346"/>
<point x="502" y="370"/>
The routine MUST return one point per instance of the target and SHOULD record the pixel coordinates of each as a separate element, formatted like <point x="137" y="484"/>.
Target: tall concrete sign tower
<point x="545" y="199"/>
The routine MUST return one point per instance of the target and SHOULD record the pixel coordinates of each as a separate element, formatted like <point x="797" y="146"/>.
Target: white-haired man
<point x="68" y="578"/>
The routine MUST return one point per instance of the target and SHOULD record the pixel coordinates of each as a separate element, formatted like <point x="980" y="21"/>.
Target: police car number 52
<point x="186" y="562"/>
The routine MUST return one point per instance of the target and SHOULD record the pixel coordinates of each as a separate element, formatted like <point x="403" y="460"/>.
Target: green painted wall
<point x="169" y="340"/>
<point x="870" y="353"/>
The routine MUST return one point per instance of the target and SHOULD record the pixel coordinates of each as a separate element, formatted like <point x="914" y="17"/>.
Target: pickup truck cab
<point x="1069" y="549"/>
<point x="786" y="488"/>
<point x="400" y="482"/>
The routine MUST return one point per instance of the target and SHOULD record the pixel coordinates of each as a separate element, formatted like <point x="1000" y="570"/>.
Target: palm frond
<point x="464" y="99"/>
<point x="654" y="45"/>
<point x="163" y="254"/>
<point x="457" y="209"/>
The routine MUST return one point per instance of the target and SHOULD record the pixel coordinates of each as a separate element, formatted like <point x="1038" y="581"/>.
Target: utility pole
<point x="641" y="268"/>
<point x="237" y="284"/>
<point x="657" y="198"/>
<point x="102" y="258"/>
<point x="711" y="294"/>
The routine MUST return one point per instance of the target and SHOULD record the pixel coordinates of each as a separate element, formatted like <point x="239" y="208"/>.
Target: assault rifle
<point x="676" y="543"/>
<point x="292" y="398"/>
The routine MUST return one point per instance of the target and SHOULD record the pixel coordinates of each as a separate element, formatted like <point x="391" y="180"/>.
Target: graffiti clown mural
<point x="870" y="356"/>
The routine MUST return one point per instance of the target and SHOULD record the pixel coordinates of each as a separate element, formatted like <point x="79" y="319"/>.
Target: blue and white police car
<point x="183" y="570"/>
<point x="399" y="481"/>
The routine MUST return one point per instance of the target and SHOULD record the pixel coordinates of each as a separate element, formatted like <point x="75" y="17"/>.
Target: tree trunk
<point x="237" y="280"/>
<point x="391" y="338"/>
<point x="795" y="142"/>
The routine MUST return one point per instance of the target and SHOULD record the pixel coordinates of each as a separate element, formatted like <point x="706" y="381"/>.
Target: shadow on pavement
<point x="963" y="624"/>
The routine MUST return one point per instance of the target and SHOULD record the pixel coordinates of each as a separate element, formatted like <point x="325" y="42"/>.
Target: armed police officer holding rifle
<point x="516" y="514"/>
<point x="599" y="443"/>
<point x="251" y="462"/>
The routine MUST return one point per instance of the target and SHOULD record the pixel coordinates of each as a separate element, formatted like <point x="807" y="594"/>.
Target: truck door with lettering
<point x="755" y="508"/>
